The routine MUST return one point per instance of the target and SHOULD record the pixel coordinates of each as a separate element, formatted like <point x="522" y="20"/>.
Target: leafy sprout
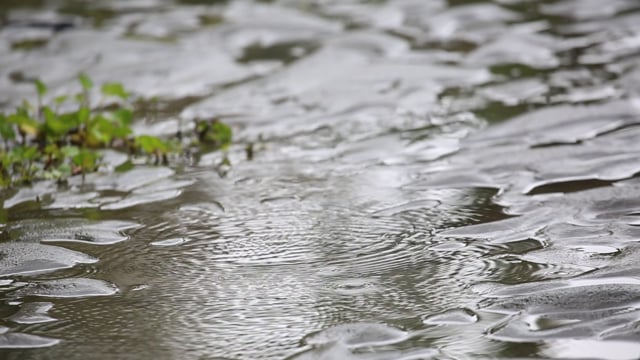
<point x="85" y="82"/>
<point x="115" y="89"/>
<point x="41" y="88"/>
<point x="43" y="143"/>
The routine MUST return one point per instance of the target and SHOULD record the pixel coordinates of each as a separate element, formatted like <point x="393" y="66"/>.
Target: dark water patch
<point x="496" y="112"/>
<point x="593" y="214"/>
<point x="569" y="186"/>
<point x="516" y="71"/>
<point x="503" y="231"/>
<point x="515" y="270"/>
<point x="28" y="44"/>
<point x="586" y="257"/>
<point x="284" y="53"/>
<point x="515" y="92"/>
<point x="202" y="2"/>
<point x="10" y="5"/>
<point x="52" y="21"/>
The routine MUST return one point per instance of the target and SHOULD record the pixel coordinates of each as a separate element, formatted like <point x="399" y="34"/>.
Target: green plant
<point x="40" y="142"/>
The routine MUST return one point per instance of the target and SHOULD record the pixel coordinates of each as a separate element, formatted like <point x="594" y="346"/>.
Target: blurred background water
<point x="431" y="179"/>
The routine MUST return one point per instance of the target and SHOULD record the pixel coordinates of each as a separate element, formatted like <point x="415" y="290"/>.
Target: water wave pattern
<point x="430" y="179"/>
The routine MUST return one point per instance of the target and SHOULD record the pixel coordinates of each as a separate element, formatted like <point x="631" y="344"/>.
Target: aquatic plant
<point x="42" y="141"/>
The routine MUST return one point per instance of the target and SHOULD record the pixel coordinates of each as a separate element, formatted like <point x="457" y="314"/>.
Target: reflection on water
<point x="431" y="179"/>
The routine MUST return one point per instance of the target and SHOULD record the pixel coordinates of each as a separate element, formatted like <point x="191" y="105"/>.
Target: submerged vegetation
<point x="64" y="138"/>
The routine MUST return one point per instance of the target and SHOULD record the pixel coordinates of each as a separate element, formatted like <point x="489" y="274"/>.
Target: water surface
<point x="430" y="180"/>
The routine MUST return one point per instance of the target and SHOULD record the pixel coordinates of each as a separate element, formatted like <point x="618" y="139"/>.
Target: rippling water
<point x="430" y="179"/>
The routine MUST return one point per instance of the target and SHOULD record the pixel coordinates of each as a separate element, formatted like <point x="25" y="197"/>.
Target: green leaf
<point x="201" y="127"/>
<point x="6" y="128"/>
<point x="121" y="132"/>
<point x="101" y="131"/>
<point x="152" y="144"/>
<point x="64" y="169"/>
<point x="71" y="119"/>
<point x="56" y="126"/>
<point x="25" y="108"/>
<point x="26" y="124"/>
<point x="114" y="89"/>
<point x="52" y="150"/>
<point x="24" y="152"/>
<point x="70" y="151"/>
<point x="125" y="166"/>
<point x="40" y="87"/>
<point x="31" y="152"/>
<point x="59" y="100"/>
<point x="84" y="114"/>
<point x="86" y="160"/>
<point x="85" y="81"/>
<point x="79" y="98"/>
<point x="220" y="134"/>
<point x="124" y="117"/>
<point x="120" y="121"/>
<point x="54" y="174"/>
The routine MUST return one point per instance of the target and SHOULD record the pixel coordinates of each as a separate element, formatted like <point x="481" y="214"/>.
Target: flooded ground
<point x="430" y="179"/>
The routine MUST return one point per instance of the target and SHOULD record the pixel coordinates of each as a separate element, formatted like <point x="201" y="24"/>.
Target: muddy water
<point x="430" y="179"/>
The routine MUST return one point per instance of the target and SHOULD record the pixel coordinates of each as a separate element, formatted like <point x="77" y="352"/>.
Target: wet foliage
<point x="65" y="138"/>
